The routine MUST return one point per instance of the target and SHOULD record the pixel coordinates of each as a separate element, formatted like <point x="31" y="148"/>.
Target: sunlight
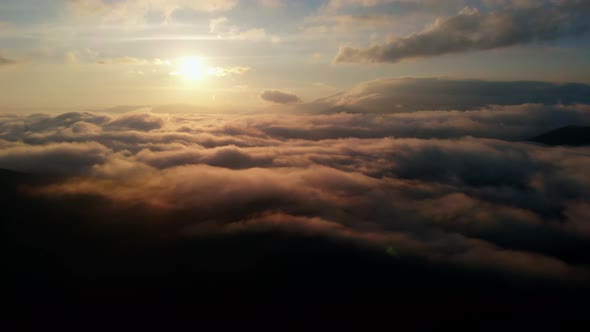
<point x="192" y="68"/>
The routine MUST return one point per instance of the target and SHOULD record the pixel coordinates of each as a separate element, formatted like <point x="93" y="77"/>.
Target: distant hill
<point x="570" y="135"/>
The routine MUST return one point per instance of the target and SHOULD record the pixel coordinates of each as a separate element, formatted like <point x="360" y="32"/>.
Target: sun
<point x="192" y="68"/>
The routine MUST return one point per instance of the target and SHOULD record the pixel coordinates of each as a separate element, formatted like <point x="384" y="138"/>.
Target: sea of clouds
<point x="459" y="186"/>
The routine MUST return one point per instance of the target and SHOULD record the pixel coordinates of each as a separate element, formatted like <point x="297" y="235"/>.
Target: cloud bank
<point x="472" y="30"/>
<point x="398" y="95"/>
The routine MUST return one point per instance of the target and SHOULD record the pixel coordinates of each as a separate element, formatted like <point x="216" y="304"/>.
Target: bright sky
<point x="225" y="53"/>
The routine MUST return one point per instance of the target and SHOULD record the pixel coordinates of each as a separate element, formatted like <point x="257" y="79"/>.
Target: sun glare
<point x="192" y="68"/>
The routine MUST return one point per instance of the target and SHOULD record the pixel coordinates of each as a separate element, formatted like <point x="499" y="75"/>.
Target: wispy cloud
<point x="141" y="10"/>
<point x="345" y="23"/>
<point x="273" y="3"/>
<point x="224" y="30"/>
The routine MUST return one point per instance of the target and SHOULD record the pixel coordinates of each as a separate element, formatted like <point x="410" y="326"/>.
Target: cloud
<point x="6" y="61"/>
<point x="345" y="23"/>
<point x="227" y="156"/>
<point x="181" y="203"/>
<point x="272" y="3"/>
<point x="396" y="6"/>
<point x="89" y="56"/>
<point x="156" y="65"/>
<point x="221" y="27"/>
<point x="125" y="61"/>
<point x="138" y="121"/>
<point x="61" y="158"/>
<point x="323" y="194"/>
<point x="337" y="4"/>
<point x="472" y="30"/>
<point x="456" y="188"/>
<point x="168" y="5"/>
<point x="229" y="71"/>
<point x="137" y="11"/>
<point x="393" y="95"/>
<point x="217" y="24"/>
<point x="279" y="97"/>
<point x="374" y="109"/>
<point x="134" y="260"/>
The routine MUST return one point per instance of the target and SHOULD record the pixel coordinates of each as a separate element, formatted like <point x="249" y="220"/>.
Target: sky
<point x="77" y="54"/>
<point x="187" y="163"/>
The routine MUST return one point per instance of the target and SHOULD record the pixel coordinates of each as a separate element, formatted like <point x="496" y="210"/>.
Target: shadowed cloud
<point x="279" y="97"/>
<point x="6" y="61"/>
<point x="395" y="95"/>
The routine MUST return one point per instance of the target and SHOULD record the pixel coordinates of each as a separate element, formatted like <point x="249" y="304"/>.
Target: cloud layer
<point x="127" y="213"/>
<point x="398" y="95"/>
<point x="456" y="187"/>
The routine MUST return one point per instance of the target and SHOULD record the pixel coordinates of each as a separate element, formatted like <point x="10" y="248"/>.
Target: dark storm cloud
<point x="472" y="30"/>
<point x="279" y="97"/>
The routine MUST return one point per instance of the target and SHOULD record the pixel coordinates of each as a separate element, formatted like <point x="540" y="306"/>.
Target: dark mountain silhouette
<point x="570" y="135"/>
